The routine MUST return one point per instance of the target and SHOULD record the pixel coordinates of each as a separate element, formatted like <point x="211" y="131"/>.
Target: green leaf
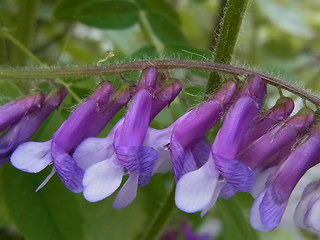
<point x="52" y="213"/>
<point x="166" y="30"/>
<point x="160" y="6"/>
<point x="104" y="14"/>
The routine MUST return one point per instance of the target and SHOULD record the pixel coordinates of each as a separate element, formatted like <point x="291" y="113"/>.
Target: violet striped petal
<point x="139" y="160"/>
<point x="67" y="169"/>
<point x="235" y="172"/>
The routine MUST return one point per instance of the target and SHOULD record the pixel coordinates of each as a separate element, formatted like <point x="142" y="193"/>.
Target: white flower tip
<point x="32" y="157"/>
<point x="195" y="190"/>
<point x="101" y="180"/>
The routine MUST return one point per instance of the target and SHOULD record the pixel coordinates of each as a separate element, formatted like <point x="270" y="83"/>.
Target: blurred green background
<point x="278" y="37"/>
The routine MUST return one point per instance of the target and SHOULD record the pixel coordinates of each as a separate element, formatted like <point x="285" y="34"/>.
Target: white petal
<point x="93" y="150"/>
<point x="195" y="189"/>
<point x="261" y="179"/>
<point x="101" y="180"/>
<point x="157" y="138"/>
<point x="127" y="193"/>
<point x="214" y="198"/>
<point x="32" y="157"/>
<point x="255" y="219"/>
<point x="314" y="216"/>
<point x="301" y="210"/>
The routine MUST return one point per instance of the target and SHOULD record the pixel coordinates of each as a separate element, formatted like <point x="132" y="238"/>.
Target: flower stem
<point x="81" y="72"/>
<point x="161" y="218"/>
<point x="230" y="27"/>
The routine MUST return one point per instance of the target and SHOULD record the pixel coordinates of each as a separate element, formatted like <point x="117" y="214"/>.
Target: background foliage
<point x="280" y="37"/>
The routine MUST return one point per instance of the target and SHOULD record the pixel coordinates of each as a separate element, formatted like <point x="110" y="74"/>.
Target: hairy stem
<point x="230" y="27"/>
<point x="80" y="72"/>
<point x="161" y="218"/>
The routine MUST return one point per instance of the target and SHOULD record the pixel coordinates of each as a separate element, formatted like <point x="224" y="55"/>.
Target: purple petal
<point x="235" y="172"/>
<point x="283" y="135"/>
<point x="127" y="193"/>
<point x="190" y="128"/>
<point x="68" y="171"/>
<point x="228" y="191"/>
<point x="13" y="111"/>
<point x="102" y="95"/>
<point x="73" y="130"/>
<point x="164" y="97"/>
<point x="271" y="208"/>
<point x="32" y="157"/>
<point x="195" y="189"/>
<point x="23" y="130"/>
<point x="107" y="111"/>
<point x="136" y="121"/>
<point x="148" y="80"/>
<point x="255" y="217"/>
<point x="177" y="156"/>
<point x="201" y="151"/>
<point x="139" y="160"/>
<point x="256" y="89"/>
<point x="265" y="121"/>
<point x="230" y="137"/>
<point x="101" y="180"/>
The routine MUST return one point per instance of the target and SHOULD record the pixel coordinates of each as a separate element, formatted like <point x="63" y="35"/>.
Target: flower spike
<point x="22" y="131"/>
<point x="269" y="206"/>
<point x="63" y="143"/>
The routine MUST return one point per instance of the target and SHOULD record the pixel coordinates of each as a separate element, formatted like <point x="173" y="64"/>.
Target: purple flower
<point x="269" y="206"/>
<point x="308" y="209"/>
<point x="230" y="138"/>
<point x="15" y="110"/>
<point x="22" y="130"/>
<point x="188" y="134"/>
<point x="124" y="150"/>
<point x="196" y="189"/>
<point x="33" y="157"/>
<point x="279" y="140"/>
<point x="259" y="126"/>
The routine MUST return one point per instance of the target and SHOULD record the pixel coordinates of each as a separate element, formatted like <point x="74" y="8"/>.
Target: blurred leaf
<point x="107" y="14"/>
<point x="160" y="6"/>
<point x="286" y="17"/>
<point x="52" y="213"/>
<point x="235" y="223"/>
<point x="165" y="29"/>
<point x="103" y="222"/>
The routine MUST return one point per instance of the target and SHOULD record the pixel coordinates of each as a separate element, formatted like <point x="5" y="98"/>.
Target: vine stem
<point x="161" y="218"/>
<point x="80" y="72"/>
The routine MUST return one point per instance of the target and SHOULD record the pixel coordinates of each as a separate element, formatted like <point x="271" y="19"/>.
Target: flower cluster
<point x="264" y="153"/>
